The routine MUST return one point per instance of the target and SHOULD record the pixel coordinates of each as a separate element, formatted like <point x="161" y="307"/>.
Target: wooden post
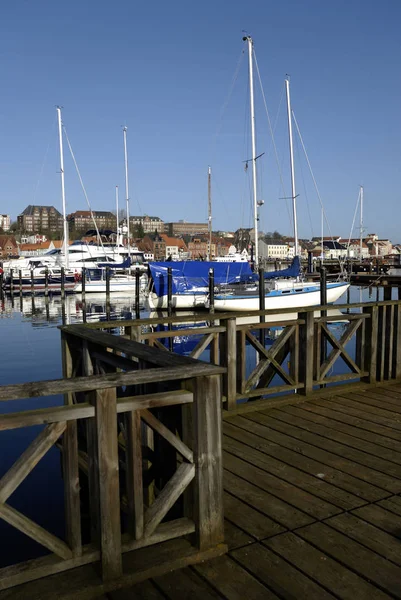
<point x="46" y="281"/>
<point x="70" y="463"/>
<point x="208" y="511"/>
<point x="32" y="283"/>
<point x="370" y="347"/>
<point x="11" y="281"/>
<point x="83" y="275"/>
<point x="170" y="304"/>
<point x="231" y="364"/>
<point x="306" y="346"/>
<point x="262" y="304"/>
<point x="133" y="454"/>
<point x="20" y="281"/>
<point x="211" y="291"/>
<point x="387" y="292"/>
<point x="107" y="283"/>
<point x="137" y="289"/>
<point x="62" y="283"/>
<point x="109" y="491"/>
<point x="396" y="372"/>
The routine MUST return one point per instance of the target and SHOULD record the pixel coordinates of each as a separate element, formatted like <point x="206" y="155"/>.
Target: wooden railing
<point x="140" y="431"/>
<point x="305" y="355"/>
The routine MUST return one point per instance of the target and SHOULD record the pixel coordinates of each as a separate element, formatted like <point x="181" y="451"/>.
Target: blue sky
<point x="165" y="70"/>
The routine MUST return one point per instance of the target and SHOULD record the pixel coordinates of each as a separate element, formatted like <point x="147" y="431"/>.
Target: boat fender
<point x="77" y="276"/>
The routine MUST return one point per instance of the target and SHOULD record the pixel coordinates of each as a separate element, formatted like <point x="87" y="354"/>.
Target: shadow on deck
<point x="312" y="505"/>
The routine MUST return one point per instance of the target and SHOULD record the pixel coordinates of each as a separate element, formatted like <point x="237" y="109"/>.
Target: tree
<point x="140" y="232"/>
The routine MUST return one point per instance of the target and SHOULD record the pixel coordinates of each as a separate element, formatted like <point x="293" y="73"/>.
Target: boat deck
<point x="312" y="505"/>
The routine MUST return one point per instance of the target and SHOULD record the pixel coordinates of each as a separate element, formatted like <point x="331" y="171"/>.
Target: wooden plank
<point x="307" y="503"/>
<point x="141" y="402"/>
<point x="381" y="518"/>
<point x="241" y="361"/>
<point x="272" y="462"/>
<point x="339" y="348"/>
<point x="387" y="396"/>
<point x="134" y="480"/>
<point x="359" y="402"/>
<point x="208" y="461"/>
<point x="368" y="535"/>
<point x="275" y="509"/>
<point x="291" y="487"/>
<point x="359" y="423"/>
<point x="168" y="496"/>
<point x="233" y="581"/>
<point x="393" y="504"/>
<point x="249" y="519"/>
<point x="377" y="400"/>
<point x="202" y="345"/>
<point x="43" y="416"/>
<point x="168" y="435"/>
<point x="165" y="531"/>
<point x="230" y="361"/>
<point x="306" y="346"/>
<point x="129" y="347"/>
<point x="323" y="569"/>
<point x="371" y="338"/>
<point x="114" y="360"/>
<point x="140" y="565"/>
<point x="109" y="489"/>
<point x="146" y="590"/>
<point x="396" y="359"/>
<point x="332" y="434"/>
<point x="43" y="567"/>
<point x="34" y="531"/>
<point x="363" y="411"/>
<point x="95" y="382"/>
<point x="235" y="537"/>
<point x="29" y="459"/>
<point x="72" y="499"/>
<point x="355" y="556"/>
<point x="183" y="585"/>
<point x="286" y="438"/>
<point x="384" y="473"/>
<point x="278" y="575"/>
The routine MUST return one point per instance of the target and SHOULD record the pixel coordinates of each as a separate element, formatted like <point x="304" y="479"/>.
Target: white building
<point x="276" y="249"/>
<point x="5" y="222"/>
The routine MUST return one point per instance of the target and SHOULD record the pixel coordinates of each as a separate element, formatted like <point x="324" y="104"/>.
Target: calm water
<point x="30" y="350"/>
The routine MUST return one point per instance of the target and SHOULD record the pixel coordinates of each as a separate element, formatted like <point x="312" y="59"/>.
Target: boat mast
<point x="361" y="223"/>
<point x="65" y="223"/>
<point x="209" y="224"/>
<point x="322" y="253"/>
<point x="293" y="193"/>
<point x="117" y="227"/>
<point x="126" y="187"/>
<point x="252" y="107"/>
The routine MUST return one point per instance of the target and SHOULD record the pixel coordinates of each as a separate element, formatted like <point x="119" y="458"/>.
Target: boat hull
<point x="280" y="299"/>
<point x="178" y="301"/>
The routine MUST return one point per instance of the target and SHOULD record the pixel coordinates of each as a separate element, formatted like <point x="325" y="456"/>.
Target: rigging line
<point x="316" y="187"/>
<point x="225" y="104"/>
<point x="272" y="132"/>
<point x="313" y="177"/>
<point x="35" y="191"/>
<point x="83" y="187"/>
<point x="304" y="186"/>
<point x="353" y="220"/>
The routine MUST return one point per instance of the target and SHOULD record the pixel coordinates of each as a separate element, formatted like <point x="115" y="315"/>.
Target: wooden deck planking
<point x="311" y="504"/>
<point x="312" y="510"/>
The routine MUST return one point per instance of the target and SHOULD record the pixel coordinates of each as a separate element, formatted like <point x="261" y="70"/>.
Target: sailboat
<point x="284" y="289"/>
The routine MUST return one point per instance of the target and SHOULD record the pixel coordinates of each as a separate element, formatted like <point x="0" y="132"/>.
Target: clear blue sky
<point x="165" y="69"/>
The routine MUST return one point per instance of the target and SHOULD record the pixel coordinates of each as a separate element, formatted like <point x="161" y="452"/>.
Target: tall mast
<point x="322" y="254"/>
<point x="65" y="223"/>
<point x="126" y="186"/>
<point x="293" y="193"/>
<point x="117" y="223"/>
<point x="252" y="107"/>
<point x="209" y="223"/>
<point x="361" y="223"/>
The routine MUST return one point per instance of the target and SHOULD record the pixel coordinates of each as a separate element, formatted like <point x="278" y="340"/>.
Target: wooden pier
<point x="312" y="477"/>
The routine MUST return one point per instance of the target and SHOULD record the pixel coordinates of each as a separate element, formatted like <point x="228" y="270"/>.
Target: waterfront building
<point x="5" y="222"/>
<point x="83" y="220"/>
<point x="38" y="218"/>
<point x="183" y="228"/>
<point x="8" y="246"/>
<point x="148" y="224"/>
